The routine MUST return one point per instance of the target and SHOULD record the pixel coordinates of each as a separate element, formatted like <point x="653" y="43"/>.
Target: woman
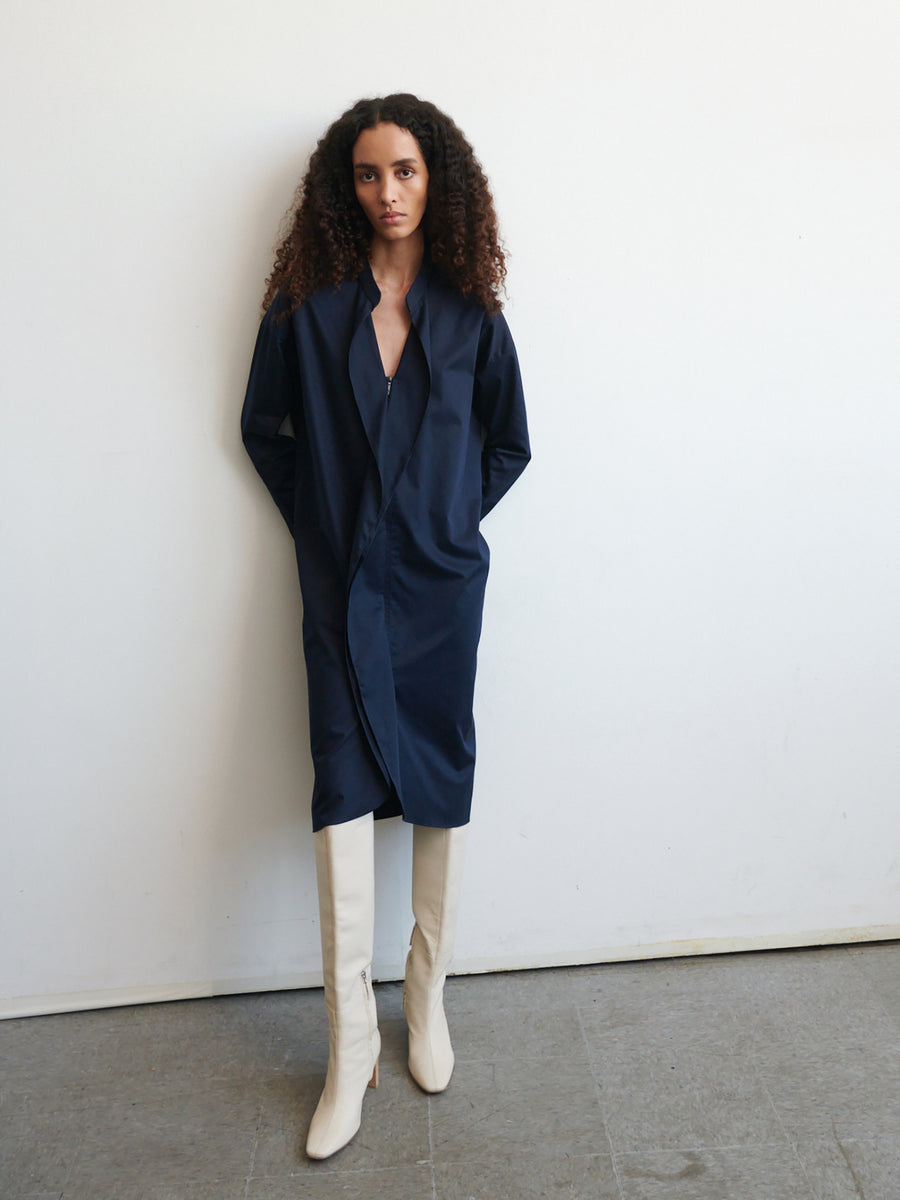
<point x="383" y="349"/>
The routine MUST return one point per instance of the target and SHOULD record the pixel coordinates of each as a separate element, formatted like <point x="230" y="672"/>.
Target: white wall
<point x="689" y="693"/>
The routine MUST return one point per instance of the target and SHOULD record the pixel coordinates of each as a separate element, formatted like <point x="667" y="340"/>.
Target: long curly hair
<point x="328" y="235"/>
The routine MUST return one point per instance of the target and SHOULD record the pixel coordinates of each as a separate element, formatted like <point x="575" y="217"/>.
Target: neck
<point x="396" y="264"/>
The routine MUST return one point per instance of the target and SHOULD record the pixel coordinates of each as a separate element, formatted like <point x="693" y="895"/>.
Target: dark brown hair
<point x="328" y="238"/>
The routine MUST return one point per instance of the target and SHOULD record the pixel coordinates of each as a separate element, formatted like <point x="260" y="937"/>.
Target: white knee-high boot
<point x="345" y="874"/>
<point x="437" y="876"/>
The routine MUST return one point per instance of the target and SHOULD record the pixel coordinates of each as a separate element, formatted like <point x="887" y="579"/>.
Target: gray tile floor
<point x="768" y="1076"/>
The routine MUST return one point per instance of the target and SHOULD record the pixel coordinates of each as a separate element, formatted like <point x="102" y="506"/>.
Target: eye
<point x="406" y="172"/>
<point x="365" y="176"/>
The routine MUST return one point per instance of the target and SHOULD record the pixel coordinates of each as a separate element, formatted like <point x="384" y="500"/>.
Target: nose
<point x="388" y="191"/>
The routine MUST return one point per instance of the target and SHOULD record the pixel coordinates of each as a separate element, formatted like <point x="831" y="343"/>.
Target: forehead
<point x="385" y="143"/>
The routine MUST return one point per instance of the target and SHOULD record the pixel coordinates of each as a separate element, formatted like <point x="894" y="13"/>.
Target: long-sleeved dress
<point x="383" y="485"/>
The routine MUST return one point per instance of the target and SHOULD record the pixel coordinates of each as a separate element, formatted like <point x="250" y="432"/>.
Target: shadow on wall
<point x="262" y="893"/>
<point x="262" y="778"/>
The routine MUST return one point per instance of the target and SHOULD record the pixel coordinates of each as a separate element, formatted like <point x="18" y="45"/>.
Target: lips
<point x="391" y="218"/>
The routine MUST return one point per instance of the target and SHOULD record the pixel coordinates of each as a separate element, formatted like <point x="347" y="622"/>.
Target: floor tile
<point x="528" y="989"/>
<point x="746" y="1173"/>
<point x="36" y="1163"/>
<point x="669" y="1100"/>
<point x="874" y="956"/>
<point x="167" y="1138"/>
<point x="147" y="1189"/>
<point x="408" y="1183"/>
<point x="509" y="1107"/>
<point x="814" y="994"/>
<point x="515" y="1032"/>
<point x="849" y="1170"/>
<point x="50" y="1052"/>
<point x="880" y="964"/>
<point x="524" y="1014"/>
<point x="18" y="1113"/>
<point x="15" y="1194"/>
<point x="298" y="1015"/>
<point x="523" y="1176"/>
<point x="701" y="975"/>
<point x="819" y="1089"/>
<point x="637" y="1012"/>
<point x="200" y="1039"/>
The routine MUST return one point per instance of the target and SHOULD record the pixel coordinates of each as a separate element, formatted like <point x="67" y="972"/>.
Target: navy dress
<point x="383" y="487"/>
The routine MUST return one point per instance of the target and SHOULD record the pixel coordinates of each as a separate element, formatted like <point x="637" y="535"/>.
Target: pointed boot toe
<point x="337" y="1118"/>
<point x="431" y="1058"/>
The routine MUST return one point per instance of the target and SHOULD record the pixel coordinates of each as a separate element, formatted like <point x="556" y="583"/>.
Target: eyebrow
<point x="400" y="162"/>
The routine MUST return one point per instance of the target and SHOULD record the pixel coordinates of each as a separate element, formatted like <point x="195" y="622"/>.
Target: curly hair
<point x="328" y="236"/>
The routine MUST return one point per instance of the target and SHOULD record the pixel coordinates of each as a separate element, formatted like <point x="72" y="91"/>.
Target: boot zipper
<point x="370" y="1000"/>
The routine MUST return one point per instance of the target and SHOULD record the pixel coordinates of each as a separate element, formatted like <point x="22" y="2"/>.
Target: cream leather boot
<point x="437" y="876"/>
<point x="345" y="874"/>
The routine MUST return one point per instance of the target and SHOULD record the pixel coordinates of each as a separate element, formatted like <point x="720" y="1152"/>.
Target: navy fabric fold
<point x="383" y="494"/>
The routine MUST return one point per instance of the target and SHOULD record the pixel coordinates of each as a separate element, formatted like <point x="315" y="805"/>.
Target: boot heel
<point x="373" y="1082"/>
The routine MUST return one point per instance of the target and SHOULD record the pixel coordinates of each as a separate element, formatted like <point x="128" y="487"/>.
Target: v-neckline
<point x="388" y="374"/>
<point x="390" y="378"/>
<point x="413" y="301"/>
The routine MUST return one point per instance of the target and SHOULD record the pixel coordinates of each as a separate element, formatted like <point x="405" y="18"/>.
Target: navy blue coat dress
<point x="383" y="486"/>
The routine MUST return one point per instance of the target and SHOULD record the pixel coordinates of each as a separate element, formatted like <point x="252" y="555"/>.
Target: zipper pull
<point x="390" y="380"/>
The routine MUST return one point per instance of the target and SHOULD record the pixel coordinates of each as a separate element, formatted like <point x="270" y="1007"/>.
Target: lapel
<point x="368" y="384"/>
<point x="412" y="393"/>
<point x="366" y="375"/>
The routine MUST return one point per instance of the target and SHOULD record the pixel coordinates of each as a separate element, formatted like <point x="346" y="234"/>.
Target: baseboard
<point x="32" y="1006"/>
<point x="35" y="1006"/>
<point x="683" y="949"/>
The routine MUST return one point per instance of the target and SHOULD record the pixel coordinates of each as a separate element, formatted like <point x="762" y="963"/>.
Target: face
<point x="391" y="180"/>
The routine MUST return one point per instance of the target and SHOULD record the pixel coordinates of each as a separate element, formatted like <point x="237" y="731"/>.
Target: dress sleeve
<point x="500" y="407"/>
<point x="273" y="395"/>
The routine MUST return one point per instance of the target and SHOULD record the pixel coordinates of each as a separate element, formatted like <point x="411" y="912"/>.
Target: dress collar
<point x="413" y="296"/>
